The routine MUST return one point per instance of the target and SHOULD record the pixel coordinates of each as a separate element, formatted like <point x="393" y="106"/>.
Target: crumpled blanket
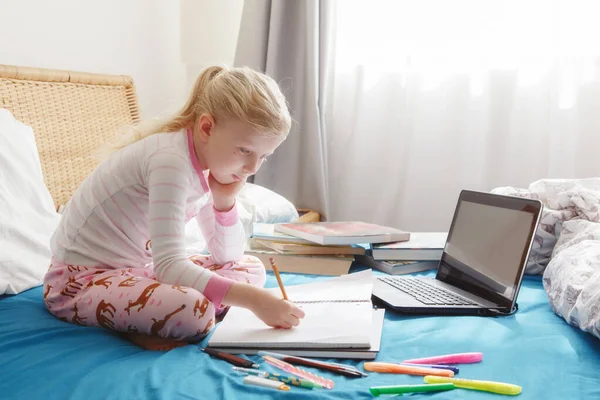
<point x="564" y="200"/>
<point x="567" y="247"/>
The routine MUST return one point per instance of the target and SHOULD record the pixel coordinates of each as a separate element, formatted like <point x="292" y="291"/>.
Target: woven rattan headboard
<point x="72" y="114"/>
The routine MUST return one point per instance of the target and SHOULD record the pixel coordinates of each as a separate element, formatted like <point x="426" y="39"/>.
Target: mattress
<point x="45" y="358"/>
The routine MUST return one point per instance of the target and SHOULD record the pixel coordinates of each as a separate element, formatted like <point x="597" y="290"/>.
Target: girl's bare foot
<point x="154" y="342"/>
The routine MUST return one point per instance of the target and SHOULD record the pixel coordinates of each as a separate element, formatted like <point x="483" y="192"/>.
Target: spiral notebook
<point x="339" y="315"/>
<point x="352" y="353"/>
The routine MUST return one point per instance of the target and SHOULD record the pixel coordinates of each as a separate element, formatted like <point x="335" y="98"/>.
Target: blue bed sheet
<point x="44" y="358"/>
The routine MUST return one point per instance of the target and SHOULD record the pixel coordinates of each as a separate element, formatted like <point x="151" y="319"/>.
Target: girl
<point x="118" y="254"/>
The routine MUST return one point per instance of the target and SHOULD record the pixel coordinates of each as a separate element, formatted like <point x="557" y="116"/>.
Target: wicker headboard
<point x="72" y="114"/>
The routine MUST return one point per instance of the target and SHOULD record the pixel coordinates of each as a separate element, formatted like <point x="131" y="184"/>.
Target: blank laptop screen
<point x="487" y="248"/>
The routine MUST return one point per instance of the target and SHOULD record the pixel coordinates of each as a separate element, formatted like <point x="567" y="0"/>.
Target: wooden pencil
<point x="276" y="272"/>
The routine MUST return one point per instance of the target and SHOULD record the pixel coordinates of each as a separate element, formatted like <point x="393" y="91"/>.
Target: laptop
<point x="482" y="265"/>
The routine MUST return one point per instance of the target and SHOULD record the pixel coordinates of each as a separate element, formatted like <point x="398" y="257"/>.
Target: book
<point x="339" y="315"/>
<point x="262" y="231"/>
<point x="421" y="246"/>
<point x="311" y="249"/>
<point x="343" y="232"/>
<point x="394" y="267"/>
<point x="357" y="354"/>
<point x="305" y="264"/>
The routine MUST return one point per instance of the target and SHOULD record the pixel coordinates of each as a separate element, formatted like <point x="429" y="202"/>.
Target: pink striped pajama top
<point x="132" y="210"/>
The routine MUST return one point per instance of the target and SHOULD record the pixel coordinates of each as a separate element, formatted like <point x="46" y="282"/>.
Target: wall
<point x="140" y="38"/>
<point x="209" y="33"/>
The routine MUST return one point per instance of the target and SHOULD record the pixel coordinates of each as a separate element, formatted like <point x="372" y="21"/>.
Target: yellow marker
<point x="484" y="386"/>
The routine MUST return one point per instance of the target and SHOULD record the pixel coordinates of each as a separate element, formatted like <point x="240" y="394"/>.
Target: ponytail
<point x="240" y="93"/>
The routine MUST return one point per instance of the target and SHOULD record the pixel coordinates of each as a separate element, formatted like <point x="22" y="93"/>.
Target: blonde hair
<point x="241" y="93"/>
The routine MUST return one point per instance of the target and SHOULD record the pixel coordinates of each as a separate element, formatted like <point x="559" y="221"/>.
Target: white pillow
<point x="255" y="204"/>
<point x="27" y="215"/>
<point x="267" y="206"/>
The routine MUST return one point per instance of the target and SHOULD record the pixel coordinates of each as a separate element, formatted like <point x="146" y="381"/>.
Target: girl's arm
<point x="168" y="182"/>
<point x="168" y="185"/>
<point x="220" y="223"/>
<point x="223" y="232"/>
<point x="272" y="310"/>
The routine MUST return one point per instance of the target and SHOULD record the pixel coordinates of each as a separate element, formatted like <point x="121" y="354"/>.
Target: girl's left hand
<point x="224" y="195"/>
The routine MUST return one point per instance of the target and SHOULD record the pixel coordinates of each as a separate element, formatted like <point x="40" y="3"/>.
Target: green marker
<point x="399" y="389"/>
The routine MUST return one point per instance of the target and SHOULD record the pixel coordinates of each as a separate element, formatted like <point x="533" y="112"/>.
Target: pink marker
<point x="460" y="358"/>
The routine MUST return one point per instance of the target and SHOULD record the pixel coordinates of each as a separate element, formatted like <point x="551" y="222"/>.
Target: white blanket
<point x="567" y="247"/>
<point x="564" y="200"/>
<point x="572" y="278"/>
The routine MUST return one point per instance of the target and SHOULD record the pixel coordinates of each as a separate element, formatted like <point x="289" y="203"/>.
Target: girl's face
<point x="232" y="150"/>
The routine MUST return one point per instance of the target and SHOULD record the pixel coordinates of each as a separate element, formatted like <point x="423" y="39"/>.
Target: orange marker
<point x="406" y="369"/>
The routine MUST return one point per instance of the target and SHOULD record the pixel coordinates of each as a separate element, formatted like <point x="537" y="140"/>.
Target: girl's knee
<point x="202" y="308"/>
<point x="256" y="270"/>
<point x="203" y="329"/>
<point x="185" y="315"/>
<point x="202" y="319"/>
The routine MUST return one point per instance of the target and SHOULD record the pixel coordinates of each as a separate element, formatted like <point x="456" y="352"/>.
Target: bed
<point x="42" y="357"/>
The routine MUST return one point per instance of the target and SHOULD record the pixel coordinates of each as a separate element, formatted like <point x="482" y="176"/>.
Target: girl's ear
<point x="206" y="123"/>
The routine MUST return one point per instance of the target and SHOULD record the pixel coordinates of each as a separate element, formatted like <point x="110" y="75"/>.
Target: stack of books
<point x="322" y="248"/>
<point x="421" y="253"/>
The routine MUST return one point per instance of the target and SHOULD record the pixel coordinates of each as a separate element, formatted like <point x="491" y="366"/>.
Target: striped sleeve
<point x="223" y="232"/>
<point x="169" y="180"/>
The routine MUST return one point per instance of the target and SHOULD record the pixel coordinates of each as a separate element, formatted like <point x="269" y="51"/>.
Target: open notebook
<point x="353" y="353"/>
<point x="339" y="315"/>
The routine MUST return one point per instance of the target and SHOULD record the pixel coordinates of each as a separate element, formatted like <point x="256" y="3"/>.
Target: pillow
<point x="255" y="204"/>
<point x="27" y="215"/>
<point x="267" y="206"/>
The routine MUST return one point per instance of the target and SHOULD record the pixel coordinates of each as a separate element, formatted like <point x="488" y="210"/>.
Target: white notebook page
<point x="342" y="317"/>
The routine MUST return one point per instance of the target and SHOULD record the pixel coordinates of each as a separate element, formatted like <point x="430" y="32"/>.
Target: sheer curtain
<point x="427" y="97"/>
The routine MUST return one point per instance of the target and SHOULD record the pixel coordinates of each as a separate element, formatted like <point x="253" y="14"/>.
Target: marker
<point x="399" y="389"/>
<point x="290" y="380"/>
<point x="258" y="381"/>
<point x="340" y="369"/>
<point x="435" y="366"/>
<point x="405" y="369"/>
<point x="289" y="368"/>
<point x="249" y="371"/>
<point x="459" y="358"/>
<point x="484" y="386"/>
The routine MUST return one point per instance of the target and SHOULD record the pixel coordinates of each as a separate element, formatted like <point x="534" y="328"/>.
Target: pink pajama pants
<point x="132" y="300"/>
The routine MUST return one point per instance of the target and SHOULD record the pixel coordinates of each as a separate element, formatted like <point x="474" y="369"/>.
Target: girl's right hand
<point x="272" y="310"/>
<point x="224" y="195"/>
<point x="276" y="312"/>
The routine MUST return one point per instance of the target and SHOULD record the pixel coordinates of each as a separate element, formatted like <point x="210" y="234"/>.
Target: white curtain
<point x="426" y="97"/>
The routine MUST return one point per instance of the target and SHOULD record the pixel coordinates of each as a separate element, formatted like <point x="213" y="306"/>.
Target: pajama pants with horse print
<point x="132" y="300"/>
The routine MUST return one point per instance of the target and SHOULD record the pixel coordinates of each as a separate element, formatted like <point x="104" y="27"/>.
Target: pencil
<point x="276" y="272"/>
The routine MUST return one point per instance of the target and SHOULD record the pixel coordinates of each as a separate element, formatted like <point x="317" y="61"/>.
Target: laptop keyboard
<point x="425" y="293"/>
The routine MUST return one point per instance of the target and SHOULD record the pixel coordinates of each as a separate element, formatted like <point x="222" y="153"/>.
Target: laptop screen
<point x="488" y="245"/>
